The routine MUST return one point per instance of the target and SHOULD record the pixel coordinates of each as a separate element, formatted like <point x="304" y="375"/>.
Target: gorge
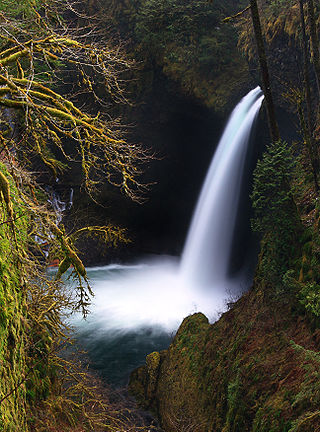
<point x="207" y="314"/>
<point x="137" y="308"/>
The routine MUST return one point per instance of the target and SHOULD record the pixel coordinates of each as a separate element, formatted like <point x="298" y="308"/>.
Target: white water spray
<point x="137" y="307"/>
<point x="207" y="251"/>
<point x="159" y="294"/>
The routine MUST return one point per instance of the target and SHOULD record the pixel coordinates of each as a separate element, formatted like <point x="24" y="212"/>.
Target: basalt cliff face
<point x="256" y="369"/>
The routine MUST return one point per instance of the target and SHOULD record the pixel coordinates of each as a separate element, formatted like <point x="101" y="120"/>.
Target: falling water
<point x="206" y="254"/>
<point x="58" y="205"/>
<point x="136" y="308"/>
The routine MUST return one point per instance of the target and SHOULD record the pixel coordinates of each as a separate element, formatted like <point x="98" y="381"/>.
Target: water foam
<point x="137" y="307"/>
<point x="150" y="295"/>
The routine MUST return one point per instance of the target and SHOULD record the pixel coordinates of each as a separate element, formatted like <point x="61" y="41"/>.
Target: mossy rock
<point x="153" y="366"/>
<point x="240" y="374"/>
<point x="137" y="385"/>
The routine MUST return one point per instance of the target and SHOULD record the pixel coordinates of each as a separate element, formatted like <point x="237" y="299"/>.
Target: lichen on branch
<point x="50" y="118"/>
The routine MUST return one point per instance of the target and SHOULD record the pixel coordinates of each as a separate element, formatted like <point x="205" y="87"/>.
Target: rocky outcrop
<point x="256" y="369"/>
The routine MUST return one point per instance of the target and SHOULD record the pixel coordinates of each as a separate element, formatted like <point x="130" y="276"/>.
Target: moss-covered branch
<point x="100" y="147"/>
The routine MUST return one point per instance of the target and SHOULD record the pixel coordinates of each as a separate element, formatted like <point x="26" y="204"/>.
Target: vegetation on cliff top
<point x="187" y="40"/>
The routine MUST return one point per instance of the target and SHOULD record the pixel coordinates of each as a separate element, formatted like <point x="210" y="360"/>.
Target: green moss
<point x="20" y="8"/>
<point x="188" y="42"/>
<point x="137" y="386"/>
<point x="236" y="407"/>
<point x="153" y="362"/>
<point x="12" y="340"/>
<point x="239" y="374"/>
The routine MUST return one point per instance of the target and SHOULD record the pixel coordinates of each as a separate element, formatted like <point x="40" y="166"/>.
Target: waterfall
<point x="58" y="205"/>
<point x="137" y="307"/>
<point x="207" y="250"/>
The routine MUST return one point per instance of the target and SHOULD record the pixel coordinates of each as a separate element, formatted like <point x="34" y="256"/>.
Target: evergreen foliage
<point x="276" y="216"/>
<point x="308" y="396"/>
<point x="187" y="39"/>
<point x="22" y="8"/>
<point x="310" y="297"/>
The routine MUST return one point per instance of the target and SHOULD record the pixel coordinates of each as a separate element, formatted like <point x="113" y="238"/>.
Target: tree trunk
<point x="272" y="121"/>
<point x="308" y="128"/>
<point x="306" y="74"/>
<point x="314" y="41"/>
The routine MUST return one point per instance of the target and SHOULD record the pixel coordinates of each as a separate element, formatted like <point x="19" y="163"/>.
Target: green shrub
<point x="275" y="213"/>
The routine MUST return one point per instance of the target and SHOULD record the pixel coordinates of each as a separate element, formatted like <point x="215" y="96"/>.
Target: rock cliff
<point x="256" y="369"/>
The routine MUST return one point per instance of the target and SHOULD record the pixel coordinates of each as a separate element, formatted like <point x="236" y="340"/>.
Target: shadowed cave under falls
<point x="137" y="308"/>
